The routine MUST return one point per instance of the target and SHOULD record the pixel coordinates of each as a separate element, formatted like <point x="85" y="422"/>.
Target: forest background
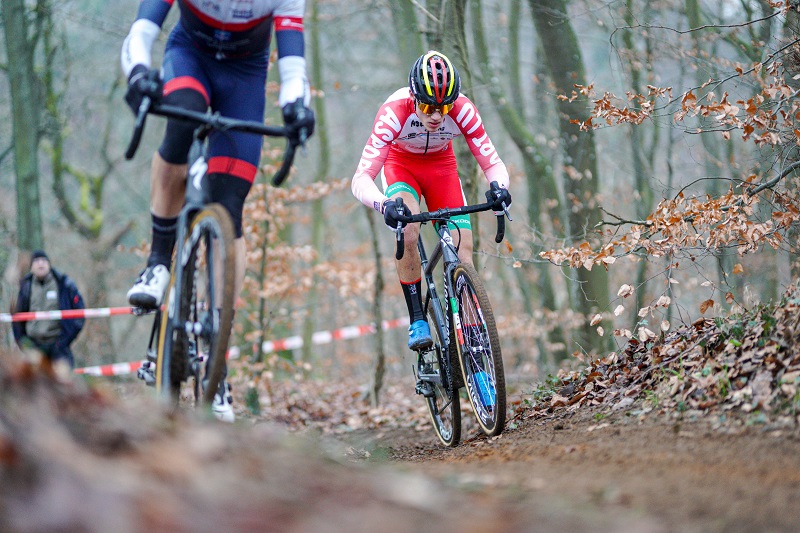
<point x="652" y="148"/>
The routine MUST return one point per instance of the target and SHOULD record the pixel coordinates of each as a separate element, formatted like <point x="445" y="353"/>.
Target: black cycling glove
<point x="143" y="82"/>
<point x="299" y="120"/>
<point x="391" y="215"/>
<point x="498" y="197"/>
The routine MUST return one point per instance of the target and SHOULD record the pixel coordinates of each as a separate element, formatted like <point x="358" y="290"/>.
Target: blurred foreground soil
<point x="79" y="458"/>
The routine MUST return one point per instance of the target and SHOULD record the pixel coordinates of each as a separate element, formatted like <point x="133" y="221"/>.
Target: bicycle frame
<point x="446" y="252"/>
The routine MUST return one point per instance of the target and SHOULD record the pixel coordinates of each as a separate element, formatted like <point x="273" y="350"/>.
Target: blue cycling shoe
<point x="419" y="335"/>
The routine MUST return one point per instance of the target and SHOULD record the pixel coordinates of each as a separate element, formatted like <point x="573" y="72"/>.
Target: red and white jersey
<point x="398" y="129"/>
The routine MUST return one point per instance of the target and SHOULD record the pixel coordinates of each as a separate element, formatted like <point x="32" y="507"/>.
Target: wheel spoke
<point x="482" y="363"/>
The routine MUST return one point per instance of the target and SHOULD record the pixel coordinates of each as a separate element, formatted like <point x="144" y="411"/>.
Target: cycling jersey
<point x="398" y="134"/>
<point x="217" y="56"/>
<point x="228" y="29"/>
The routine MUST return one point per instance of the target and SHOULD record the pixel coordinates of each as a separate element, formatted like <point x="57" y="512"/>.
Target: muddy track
<point x="622" y="472"/>
<point x="78" y="458"/>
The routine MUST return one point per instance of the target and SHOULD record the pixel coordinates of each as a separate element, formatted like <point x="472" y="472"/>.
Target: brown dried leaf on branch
<point x="675" y="225"/>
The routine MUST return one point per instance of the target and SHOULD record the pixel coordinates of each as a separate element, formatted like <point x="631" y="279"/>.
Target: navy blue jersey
<point x="232" y="28"/>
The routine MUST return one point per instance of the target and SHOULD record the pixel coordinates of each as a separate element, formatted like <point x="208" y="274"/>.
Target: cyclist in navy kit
<point x="216" y="57"/>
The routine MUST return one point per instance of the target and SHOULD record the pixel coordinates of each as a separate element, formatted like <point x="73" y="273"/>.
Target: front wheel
<point x="479" y="350"/>
<point x="196" y="323"/>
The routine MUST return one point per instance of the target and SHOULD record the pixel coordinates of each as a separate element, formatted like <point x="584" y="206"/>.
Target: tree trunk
<point x="641" y="156"/>
<point x="541" y="182"/>
<point x="25" y="105"/>
<point x="409" y="39"/>
<point x="564" y="62"/>
<point x="317" y="206"/>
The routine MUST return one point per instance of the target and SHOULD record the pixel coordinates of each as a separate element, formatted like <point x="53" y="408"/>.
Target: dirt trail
<point x="81" y="459"/>
<point x="621" y="471"/>
<point x="655" y="475"/>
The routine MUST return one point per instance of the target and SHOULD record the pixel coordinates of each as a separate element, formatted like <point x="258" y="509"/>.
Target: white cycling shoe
<point x="148" y="291"/>
<point x="221" y="406"/>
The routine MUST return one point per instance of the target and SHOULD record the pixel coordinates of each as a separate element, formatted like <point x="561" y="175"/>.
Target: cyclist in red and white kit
<point x="411" y="142"/>
<point x="216" y="57"/>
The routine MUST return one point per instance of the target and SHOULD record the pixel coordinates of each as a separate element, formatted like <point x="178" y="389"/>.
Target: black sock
<point x="413" y="293"/>
<point x="164" y="230"/>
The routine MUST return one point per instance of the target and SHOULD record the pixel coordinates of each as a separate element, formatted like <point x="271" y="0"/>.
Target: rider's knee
<point x="179" y="134"/>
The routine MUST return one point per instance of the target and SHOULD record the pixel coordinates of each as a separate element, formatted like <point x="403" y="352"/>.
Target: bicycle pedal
<point x="425" y="389"/>
<point x="141" y="311"/>
<point x="147" y="374"/>
<point x="426" y="369"/>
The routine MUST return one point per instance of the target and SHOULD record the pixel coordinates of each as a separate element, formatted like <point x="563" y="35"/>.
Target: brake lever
<point x="505" y="210"/>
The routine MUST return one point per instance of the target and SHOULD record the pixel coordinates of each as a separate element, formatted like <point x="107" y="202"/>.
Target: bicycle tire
<point x="170" y="353"/>
<point x="480" y="357"/>
<point x="445" y="406"/>
<point x="209" y="245"/>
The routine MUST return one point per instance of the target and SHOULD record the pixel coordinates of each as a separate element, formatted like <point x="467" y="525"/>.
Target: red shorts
<point x="430" y="176"/>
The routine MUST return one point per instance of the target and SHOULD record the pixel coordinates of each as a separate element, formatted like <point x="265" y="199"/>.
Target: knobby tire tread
<point x="170" y="357"/>
<point x="222" y="221"/>
<point x="496" y="426"/>
<point x="172" y="362"/>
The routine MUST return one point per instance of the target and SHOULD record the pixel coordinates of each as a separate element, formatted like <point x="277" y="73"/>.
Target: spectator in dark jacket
<point x="46" y="289"/>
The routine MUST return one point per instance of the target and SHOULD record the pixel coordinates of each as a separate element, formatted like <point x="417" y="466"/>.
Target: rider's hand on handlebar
<point x="299" y="120"/>
<point x="497" y="197"/>
<point x="391" y="215"/>
<point x="143" y="82"/>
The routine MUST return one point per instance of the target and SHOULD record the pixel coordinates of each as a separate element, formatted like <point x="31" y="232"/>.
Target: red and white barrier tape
<point x="289" y="343"/>
<point x="115" y="369"/>
<point x="66" y="314"/>
<point x="325" y="337"/>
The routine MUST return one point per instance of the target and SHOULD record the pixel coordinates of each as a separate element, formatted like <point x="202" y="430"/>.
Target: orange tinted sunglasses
<point x="431" y="109"/>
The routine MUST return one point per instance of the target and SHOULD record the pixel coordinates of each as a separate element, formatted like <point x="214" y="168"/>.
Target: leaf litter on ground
<point x="746" y="363"/>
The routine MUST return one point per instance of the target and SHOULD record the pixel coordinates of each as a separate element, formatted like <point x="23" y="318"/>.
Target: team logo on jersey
<point x="246" y="14"/>
<point x="209" y="5"/>
<point x="222" y="35"/>
<point x="289" y="23"/>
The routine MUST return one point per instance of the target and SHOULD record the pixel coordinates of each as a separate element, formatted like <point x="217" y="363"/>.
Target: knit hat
<point x="37" y="254"/>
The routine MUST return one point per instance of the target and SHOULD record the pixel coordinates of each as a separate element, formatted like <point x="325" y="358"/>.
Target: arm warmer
<point x="138" y="45"/>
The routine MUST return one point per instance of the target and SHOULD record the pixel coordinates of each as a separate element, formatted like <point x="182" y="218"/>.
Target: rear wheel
<point x="444" y="406"/>
<point x="479" y="351"/>
<point x="196" y="324"/>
